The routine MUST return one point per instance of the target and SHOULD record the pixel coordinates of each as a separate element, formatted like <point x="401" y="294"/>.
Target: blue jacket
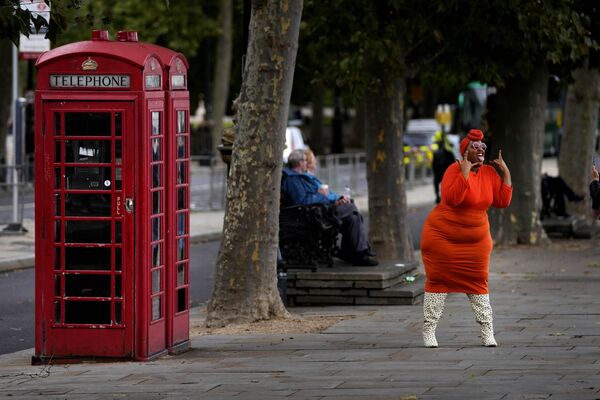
<point x="297" y="188"/>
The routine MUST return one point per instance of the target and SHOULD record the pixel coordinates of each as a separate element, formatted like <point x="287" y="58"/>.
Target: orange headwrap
<point x="473" y="135"/>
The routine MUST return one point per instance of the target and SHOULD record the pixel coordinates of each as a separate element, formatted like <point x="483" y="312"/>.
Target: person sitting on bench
<point x="298" y="187"/>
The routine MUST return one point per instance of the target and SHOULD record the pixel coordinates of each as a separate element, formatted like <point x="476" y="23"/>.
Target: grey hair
<point x="295" y="157"/>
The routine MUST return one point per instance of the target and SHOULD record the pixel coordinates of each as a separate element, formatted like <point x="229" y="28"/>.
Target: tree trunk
<point x="246" y="276"/>
<point x="5" y="90"/>
<point x="579" y="135"/>
<point x="519" y="133"/>
<point x="222" y="73"/>
<point x="317" y="139"/>
<point x="388" y="222"/>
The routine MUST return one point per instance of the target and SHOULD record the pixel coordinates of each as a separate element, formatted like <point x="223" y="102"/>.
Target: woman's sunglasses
<point x="478" y="145"/>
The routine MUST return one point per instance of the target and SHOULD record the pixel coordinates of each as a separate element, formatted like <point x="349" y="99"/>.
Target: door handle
<point x="129" y="205"/>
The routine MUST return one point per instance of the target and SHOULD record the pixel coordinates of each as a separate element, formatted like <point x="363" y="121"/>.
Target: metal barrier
<point x="209" y="176"/>
<point x="16" y="192"/>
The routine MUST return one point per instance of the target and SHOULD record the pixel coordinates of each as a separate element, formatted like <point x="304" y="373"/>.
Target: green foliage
<point x="15" y="21"/>
<point x="445" y="42"/>
<point x="177" y="24"/>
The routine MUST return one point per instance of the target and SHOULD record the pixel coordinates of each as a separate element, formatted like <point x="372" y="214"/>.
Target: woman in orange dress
<point x="456" y="242"/>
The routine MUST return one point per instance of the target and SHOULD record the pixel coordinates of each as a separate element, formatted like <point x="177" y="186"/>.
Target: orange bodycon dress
<point x="456" y="242"/>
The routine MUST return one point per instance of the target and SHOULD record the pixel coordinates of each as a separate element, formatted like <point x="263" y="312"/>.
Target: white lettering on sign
<point x="90" y="81"/>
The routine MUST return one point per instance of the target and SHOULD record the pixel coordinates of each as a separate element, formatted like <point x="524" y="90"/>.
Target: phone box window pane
<point x="118" y="152"/>
<point x="57" y="152"/>
<point x="155" y="281"/>
<point x="181" y="249"/>
<point x="181" y="274"/>
<point x="57" y="125"/>
<point x="156" y="149"/>
<point x="181" y="198"/>
<point x="79" y="285"/>
<point x="118" y="314"/>
<point x="57" y="318"/>
<point x="181" y="172"/>
<point x="156" y="178"/>
<point x="57" y="232"/>
<point x="181" y="146"/>
<point x="87" y="258"/>
<point x="118" y="262"/>
<point x="156" y="255"/>
<point x="156" y="229"/>
<point x="118" y="234"/>
<point x="91" y="205"/>
<point x="57" y="261"/>
<point x="156" y="209"/>
<point x="181" y="224"/>
<point x="87" y="312"/>
<point x="118" y="178"/>
<point x="117" y="285"/>
<point x="57" y="286"/>
<point x="87" y="151"/>
<point x="57" y="176"/>
<point x="181" y="299"/>
<point x="87" y="124"/>
<point x="87" y="232"/>
<point x="156" y="123"/>
<point x="181" y="122"/>
<point x="88" y="178"/>
<point x="57" y="210"/>
<point x="118" y="124"/>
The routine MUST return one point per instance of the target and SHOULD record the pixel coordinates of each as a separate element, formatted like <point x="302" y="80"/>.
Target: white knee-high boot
<point x="483" y="315"/>
<point x="433" y="307"/>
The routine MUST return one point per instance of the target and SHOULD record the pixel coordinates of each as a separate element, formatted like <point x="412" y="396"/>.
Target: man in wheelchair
<point x="300" y="187"/>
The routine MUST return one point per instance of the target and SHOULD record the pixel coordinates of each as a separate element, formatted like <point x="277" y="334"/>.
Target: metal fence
<point x="16" y="189"/>
<point x="339" y="171"/>
<point x="208" y="182"/>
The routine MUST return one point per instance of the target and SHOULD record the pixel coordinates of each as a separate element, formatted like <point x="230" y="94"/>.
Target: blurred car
<point x="293" y="141"/>
<point x="419" y="132"/>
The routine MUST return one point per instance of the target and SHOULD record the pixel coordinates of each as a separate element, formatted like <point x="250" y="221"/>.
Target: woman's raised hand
<point x="499" y="162"/>
<point x="465" y="165"/>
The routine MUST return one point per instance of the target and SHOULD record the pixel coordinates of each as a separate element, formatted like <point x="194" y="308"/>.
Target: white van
<point x="293" y="141"/>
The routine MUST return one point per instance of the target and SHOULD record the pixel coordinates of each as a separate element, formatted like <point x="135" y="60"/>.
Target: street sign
<point x="34" y="45"/>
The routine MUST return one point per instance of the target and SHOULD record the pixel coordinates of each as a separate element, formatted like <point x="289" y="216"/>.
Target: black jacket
<point x="595" y="194"/>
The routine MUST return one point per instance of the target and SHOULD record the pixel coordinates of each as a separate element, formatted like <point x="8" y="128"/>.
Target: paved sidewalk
<point x="547" y="322"/>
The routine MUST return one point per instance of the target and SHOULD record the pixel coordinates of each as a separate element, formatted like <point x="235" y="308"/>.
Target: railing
<point x="16" y="191"/>
<point x="208" y="185"/>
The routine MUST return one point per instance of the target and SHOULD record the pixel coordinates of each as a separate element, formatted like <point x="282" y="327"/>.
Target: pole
<point x="15" y="95"/>
<point x="16" y="227"/>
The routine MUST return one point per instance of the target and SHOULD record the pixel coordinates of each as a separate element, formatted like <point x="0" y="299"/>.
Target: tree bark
<point x="579" y="136"/>
<point x="222" y="73"/>
<point x="246" y="276"/>
<point x="388" y="223"/>
<point x="5" y="90"/>
<point x="519" y="133"/>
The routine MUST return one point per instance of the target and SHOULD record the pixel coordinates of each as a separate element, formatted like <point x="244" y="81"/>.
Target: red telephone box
<point x="106" y="219"/>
